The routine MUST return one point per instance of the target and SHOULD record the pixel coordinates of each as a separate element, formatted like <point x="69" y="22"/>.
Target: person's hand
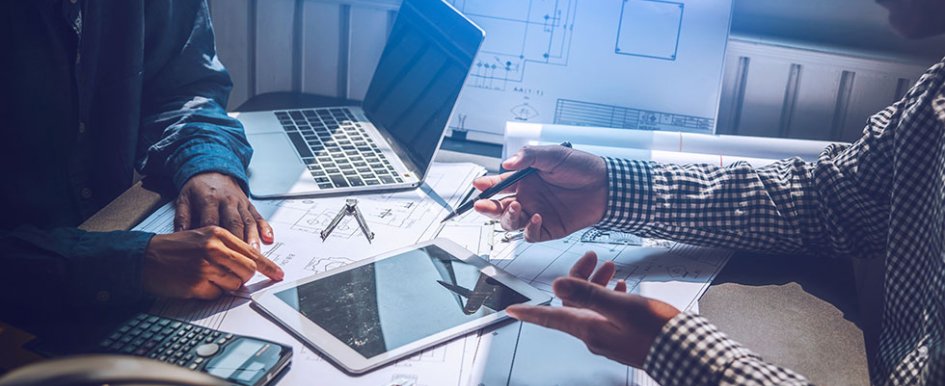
<point x="568" y="193"/>
<point x="612" y="323"/>
<point x="216" y="199"/>
<point x="201" y="263"/>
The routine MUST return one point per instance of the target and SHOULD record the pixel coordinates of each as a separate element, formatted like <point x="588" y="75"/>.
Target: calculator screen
<point x="384" y="305"/>
<point x="232" y="363"/>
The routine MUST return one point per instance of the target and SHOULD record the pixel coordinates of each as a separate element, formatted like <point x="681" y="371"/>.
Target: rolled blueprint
<point x="518" y="134"/>
<point x="663" y="156"/>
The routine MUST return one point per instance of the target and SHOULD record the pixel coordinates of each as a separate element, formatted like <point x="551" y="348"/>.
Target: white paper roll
<point x="519" y="134"/>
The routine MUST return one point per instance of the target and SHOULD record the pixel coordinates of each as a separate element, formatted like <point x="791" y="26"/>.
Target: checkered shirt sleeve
<point x="881" y="196"/>
<point x="690" y="351"/>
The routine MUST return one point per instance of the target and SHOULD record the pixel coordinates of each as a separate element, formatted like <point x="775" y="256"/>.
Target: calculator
<point x="238" y="359"/>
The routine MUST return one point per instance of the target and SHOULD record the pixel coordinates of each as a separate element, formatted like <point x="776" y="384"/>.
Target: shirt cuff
<point x="630" y="194"/>
<point x="108" y="268"/>
<point x="205" y="158"/>
<point x="691" y="351"/>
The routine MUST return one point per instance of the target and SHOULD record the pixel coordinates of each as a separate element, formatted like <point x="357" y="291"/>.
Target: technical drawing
<point x="524" y="112"/>
<point x="315" y="221"/>
<point x="599" y="236"/>
<point x="323" y="264"/>
<point x="281" y="259"/>
<point x="649" y="29"/>
<point x="533" y="31"/>
<point x="581" y="113"/>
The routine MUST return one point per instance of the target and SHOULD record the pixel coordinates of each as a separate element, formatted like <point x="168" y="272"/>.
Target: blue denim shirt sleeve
<point x="67" y="267"/>
<point x="184" y="128"/>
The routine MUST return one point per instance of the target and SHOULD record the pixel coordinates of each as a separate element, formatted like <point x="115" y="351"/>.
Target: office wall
<point x="817" y="81"/>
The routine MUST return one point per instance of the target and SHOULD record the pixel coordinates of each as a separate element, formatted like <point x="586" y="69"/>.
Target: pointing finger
<point x="263" y="264"/>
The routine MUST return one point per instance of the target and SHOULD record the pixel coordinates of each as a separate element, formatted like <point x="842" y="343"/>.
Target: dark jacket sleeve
<point x="184" y="128"/>
<point x="49" y="270"/>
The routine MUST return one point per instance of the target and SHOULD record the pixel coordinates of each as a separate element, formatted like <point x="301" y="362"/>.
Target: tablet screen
<point x="384" y="305"/>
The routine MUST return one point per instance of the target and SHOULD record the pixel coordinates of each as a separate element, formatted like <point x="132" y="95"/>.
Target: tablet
<point x="383" y="308"/>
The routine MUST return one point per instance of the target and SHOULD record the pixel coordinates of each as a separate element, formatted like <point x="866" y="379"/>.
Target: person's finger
<point x="584" y="267"/>
<point x="250" y="228"/>
<point x="222" y="277"/>
<point x="584" y="294"/>
<point x="486" y="182"/>
<point x="543" y="158"/>
<point x="533" y="229"/>
<point x="182" y="214"/>
<point x="209" y="214"/>
<point x="263" y="264"/>
<point x="234" y="261"/>
<point x="231" y="219"/>
<point x="493" y="208"/>
<point x="265" y="230"/>
<point x="574" y="321"/>
<point x="621" y="286"/>
<point x="206" y="290"/>
<point x="514" y="217"/>
<point x="603" y="274"/>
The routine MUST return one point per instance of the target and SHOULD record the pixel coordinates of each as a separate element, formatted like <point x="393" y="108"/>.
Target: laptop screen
<point x="418" y="78"/>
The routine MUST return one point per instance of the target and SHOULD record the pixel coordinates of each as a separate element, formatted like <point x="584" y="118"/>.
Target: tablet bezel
<point x="353" y="362"/>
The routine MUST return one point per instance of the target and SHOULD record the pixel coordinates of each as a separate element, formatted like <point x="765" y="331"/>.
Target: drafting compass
<point x="351" y="207"/>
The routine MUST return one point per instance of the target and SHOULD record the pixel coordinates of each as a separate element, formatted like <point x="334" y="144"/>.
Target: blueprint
<point x="639" y="64"/>
<point x="525" y="354"/>
<point x="508" y="353"/>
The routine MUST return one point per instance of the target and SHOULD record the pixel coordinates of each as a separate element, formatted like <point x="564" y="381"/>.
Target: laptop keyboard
<point x="336" y="149"/>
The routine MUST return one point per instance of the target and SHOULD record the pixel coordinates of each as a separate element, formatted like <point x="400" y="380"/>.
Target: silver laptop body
<point x="390" y="141"/>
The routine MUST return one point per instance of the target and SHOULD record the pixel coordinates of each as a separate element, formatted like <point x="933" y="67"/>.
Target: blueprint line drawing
<point x="650" y="29"/>
<point x="662" y="57"/>
<point x="534" y="31"/>
<point x="519" y="353"/>
<point x="580" y="113"/>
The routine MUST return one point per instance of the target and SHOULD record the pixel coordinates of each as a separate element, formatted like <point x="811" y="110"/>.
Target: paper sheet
<point x="524" y="354"/>
<point x="397" y="219"/>
<point x="510" y="353"/>
<point x="595" y="63"/>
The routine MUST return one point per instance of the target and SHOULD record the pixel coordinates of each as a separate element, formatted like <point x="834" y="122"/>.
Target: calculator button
<point x="199" y="360"/>
<point x="193" y="366"/>
<point x="208" y="349"/>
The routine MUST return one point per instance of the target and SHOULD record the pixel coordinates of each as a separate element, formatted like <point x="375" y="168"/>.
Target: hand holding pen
<point x="565" y="191"/>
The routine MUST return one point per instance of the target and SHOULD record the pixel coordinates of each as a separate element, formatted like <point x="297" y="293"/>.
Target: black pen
<point x="488" y="193"/>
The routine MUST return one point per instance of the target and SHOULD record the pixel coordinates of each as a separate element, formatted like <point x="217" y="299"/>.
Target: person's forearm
<point x="66" y="267"/>
<point x="770" y="209"/>
<point x="691" y="351"/>
<point x="185" y="130"/>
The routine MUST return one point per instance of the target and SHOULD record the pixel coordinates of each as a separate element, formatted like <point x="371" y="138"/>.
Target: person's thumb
<point x="543" y="158"/>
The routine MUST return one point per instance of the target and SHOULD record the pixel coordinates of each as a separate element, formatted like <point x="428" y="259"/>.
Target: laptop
<point x="388" y="142"/>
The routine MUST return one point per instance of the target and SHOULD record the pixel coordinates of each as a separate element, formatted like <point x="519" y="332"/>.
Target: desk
<point x="795" y="311"/>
